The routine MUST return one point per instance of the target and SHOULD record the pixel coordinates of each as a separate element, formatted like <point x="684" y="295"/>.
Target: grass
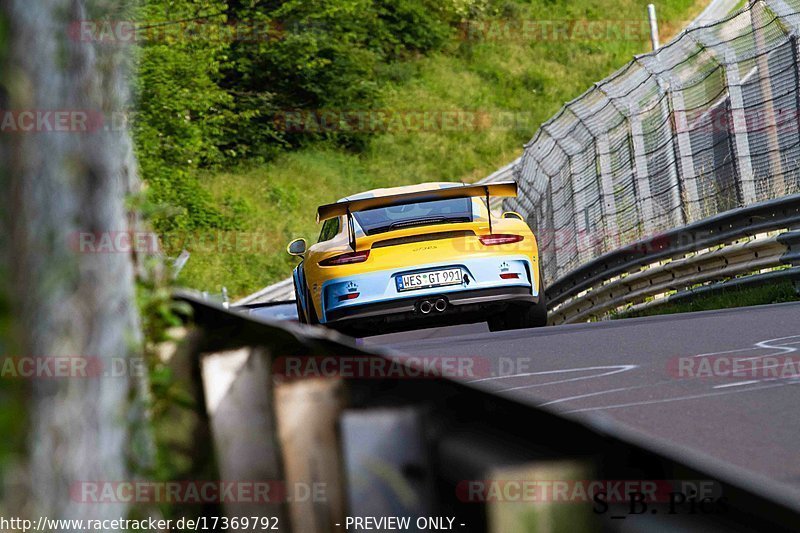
<point x="744" y="297"/>
<point x="517" y="83"/>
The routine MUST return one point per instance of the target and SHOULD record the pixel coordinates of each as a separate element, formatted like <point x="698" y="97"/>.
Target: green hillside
<point x="502" y="68"/>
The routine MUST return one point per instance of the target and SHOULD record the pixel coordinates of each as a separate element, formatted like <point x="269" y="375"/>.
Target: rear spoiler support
<point x="351" y="230"/>
<point x="488" y="209"/>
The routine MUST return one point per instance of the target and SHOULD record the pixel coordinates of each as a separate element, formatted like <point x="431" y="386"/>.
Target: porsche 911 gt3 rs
<point x="419" y="256"/>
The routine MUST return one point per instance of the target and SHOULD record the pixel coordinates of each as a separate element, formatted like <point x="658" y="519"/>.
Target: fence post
<point x="607" y="187"/>
<point x="739" y="129"/>
<point x="737" y="119"/>
<point x="579" y="208"/>
<point x="796" y="61"/>
<point x="640" y="171"/>
<point x="687" y="176"/>
<point x="759" y="20"/>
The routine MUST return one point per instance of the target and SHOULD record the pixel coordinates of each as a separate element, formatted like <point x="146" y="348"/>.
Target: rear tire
<point x="301" y="317"/>
<point x="311" y="314"/>
<point x="522" y="316"/>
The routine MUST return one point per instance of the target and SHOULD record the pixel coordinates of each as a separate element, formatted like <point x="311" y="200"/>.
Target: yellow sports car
<point x="419" y="256"/>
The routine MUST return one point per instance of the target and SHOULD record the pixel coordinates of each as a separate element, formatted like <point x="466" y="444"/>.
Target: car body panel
<point x="412" y="250"/>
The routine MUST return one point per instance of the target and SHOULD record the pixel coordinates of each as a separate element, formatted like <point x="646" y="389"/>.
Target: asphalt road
<point x="630" y="371"/>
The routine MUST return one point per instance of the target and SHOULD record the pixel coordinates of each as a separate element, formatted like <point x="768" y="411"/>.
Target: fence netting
<point x="708" y="123"/>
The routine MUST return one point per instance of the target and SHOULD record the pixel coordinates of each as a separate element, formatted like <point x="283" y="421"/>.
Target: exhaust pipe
<point x="425" y="307"/>
<point x="440" y="305"/>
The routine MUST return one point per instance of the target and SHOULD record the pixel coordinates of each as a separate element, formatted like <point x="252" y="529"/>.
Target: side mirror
<point x="513" y="214"/>
<point x="297" y="247"/>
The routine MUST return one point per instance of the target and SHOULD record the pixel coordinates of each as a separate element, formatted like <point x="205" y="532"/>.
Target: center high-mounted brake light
<point x="499" y="238"/>
<point x="346" y="259"/>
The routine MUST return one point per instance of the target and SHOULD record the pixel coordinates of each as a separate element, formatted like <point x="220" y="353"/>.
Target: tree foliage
<point x="214" y="76"/>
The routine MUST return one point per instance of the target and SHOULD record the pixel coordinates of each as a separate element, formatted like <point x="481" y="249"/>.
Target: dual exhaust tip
<point x="427" y="306"/>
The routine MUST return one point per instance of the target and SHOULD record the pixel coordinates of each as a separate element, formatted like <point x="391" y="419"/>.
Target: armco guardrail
<point x="706" y="127"/>
<point x="733" y="284"/>
<point x="726" y="262"/>
<point x="286" y="406"/>
<point x="277" y="292"/>
<point x="584" y="293"/>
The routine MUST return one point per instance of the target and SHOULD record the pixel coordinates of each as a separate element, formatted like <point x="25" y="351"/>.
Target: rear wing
<point x="325" y="212"/>
<point x="502" y="189"/>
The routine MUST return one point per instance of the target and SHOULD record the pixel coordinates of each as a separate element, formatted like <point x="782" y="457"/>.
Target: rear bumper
<point x="475" y="303"/>
<point x="377" y="292"/>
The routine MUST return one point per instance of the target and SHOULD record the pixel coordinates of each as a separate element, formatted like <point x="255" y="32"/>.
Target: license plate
<point x="424" y="280"/>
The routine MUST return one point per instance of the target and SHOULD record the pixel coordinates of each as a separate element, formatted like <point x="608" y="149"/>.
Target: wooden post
<point x="240" y="406"/>
<point x="386" y="462"/>
<point x="537" y="511"/>
<point x="308" y="414"/>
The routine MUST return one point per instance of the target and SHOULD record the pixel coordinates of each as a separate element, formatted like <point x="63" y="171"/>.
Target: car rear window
<point x="396" y="217"/>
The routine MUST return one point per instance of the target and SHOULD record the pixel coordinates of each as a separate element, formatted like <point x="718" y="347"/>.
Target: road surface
<point x="630" y="371"/>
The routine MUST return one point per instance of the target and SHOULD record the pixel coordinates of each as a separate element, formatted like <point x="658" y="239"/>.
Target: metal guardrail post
<point x="651" y="15"/>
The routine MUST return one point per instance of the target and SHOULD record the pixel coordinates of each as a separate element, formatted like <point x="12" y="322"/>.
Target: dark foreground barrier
<point x="337" y="438"/>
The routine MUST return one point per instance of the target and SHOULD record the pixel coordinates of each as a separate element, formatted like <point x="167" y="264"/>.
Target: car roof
<point x="390" y="191"/>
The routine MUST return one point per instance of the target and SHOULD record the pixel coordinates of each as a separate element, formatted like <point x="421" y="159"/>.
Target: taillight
<point x="346" y="259"/>
<point x="348" y="296"/>
<point x="499" y="238"/>
<point x="509" y="275"/>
